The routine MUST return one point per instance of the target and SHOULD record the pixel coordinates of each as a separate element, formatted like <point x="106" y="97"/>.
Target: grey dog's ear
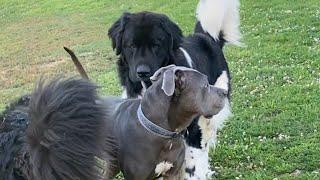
<point x="172" y="78"/>
<point x="160" y="71"/>
<point x="173" y="81"/>
<point x="168" y="82"/>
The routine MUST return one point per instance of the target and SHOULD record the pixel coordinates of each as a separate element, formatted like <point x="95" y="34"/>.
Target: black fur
<point x="57" y="133"/>
<point x="135" y="40"/>
<point x="190" y="171"/>
<point x="116" y="32"/>
<point x="14" y="160"/>
<point x="193" y="131"/>
<point x="170" y="37"/>
<point x="198" y="29"/>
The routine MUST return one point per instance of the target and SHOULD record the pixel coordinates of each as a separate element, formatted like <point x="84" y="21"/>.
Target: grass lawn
<point x="275" y="130"/>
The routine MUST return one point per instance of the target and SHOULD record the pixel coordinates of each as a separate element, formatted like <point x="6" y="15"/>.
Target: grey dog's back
<point x="115" y="106"/>
<point x="112" y="104"/>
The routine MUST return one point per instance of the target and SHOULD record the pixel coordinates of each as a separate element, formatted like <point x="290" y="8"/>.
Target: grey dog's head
<point x="190" y="89"/>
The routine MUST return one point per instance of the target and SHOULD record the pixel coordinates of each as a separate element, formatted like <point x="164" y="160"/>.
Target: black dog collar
<point x="153" y="128"/>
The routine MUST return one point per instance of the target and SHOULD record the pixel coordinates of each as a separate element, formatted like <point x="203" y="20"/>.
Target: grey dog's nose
<point x="143" y="71"/>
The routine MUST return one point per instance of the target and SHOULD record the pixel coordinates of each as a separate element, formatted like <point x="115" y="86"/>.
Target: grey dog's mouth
<point x="208" y="116"/>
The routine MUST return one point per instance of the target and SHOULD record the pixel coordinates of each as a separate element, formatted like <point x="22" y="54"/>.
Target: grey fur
<point x="137" y="151"/>
<point x="71" y="131"/>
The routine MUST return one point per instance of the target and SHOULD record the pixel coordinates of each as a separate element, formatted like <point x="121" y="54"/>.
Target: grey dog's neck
<point x="161" y="110"/>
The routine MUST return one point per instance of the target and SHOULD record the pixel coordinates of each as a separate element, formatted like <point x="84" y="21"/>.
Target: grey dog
<point x="143" y="136"/>
<point x="64" y="130"/>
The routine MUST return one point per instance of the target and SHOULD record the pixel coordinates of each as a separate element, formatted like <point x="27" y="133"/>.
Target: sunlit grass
<point x="275" y="130"/>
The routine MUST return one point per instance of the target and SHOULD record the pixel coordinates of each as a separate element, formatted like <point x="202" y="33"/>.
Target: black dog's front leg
<point x="193" y="134"/>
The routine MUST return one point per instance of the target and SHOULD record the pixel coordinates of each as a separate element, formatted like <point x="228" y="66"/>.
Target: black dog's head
<point x="145" y="42"/>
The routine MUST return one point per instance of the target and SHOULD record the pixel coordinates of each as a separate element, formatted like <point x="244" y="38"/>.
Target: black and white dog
<point x="147" y="41"/>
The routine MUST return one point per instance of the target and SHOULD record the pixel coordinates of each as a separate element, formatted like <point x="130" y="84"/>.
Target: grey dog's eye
<point x="206" y="85"/>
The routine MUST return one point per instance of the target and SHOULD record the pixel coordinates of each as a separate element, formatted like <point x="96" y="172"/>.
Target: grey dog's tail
<point x="77" y="63"/>
<point x="65" y="134"/>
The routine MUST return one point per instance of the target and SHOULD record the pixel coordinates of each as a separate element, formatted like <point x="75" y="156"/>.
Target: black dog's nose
<point x="143" y="71"/>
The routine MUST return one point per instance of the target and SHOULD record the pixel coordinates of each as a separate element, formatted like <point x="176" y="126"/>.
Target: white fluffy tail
<point x="217" y="16"/>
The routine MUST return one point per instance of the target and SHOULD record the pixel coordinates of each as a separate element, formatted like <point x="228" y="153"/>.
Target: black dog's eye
<point x="132" y="46"/>
<point x="156" y="46"/>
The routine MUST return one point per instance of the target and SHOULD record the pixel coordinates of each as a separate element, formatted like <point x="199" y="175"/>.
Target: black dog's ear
<point x="116" y="32"/>
<point x="173" y="31"/>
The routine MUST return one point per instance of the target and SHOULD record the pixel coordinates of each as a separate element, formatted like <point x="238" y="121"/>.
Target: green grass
<point x="275" y="130"/>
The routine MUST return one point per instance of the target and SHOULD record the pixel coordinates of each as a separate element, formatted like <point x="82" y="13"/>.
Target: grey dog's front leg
<point x="179" y="176"/>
